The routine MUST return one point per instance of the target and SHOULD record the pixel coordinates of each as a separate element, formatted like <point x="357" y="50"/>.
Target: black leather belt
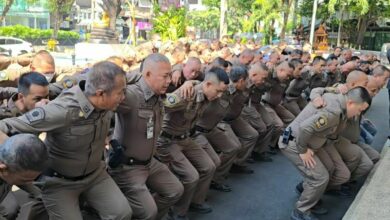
<point x="178" y="137"/>
<point x="292" y="96"/>
<point x="53" y="173"/>
<point x="132" y="161"/>
<point x="202" y="130"/>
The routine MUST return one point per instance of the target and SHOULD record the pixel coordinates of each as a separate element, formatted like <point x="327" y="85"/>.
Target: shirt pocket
<point x="145" y="118"/>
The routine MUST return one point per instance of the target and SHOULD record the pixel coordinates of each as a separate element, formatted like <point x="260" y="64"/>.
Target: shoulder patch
<point x="3" y="76"/>
<point x="35" y="115"/>
<point x="68" y="83"/>
<point x="171" y="100"/>
<point x="321" y="122"/>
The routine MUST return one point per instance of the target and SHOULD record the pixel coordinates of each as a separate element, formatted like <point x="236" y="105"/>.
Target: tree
<point x="377" y="9"/>
<point x="170" y="24"/>
<point x="205" y="20"/>
<point x="7" y="6"/>
<point x="113" y="8"/>
<point x="267" y="11"/>
<point x="59" y="8"/>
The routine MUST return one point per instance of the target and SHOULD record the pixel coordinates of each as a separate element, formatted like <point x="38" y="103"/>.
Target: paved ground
<point x="269" y="193"/>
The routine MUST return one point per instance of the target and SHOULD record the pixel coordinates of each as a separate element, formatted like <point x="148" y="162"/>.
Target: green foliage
<point x="24" y="32"/>
<point x="61" y="6"/>
<point x="204" y="20"/>
<point x="170" y="24"/>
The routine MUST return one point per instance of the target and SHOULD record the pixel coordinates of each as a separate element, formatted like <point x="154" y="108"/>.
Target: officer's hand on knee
<point x="308" y="159"/>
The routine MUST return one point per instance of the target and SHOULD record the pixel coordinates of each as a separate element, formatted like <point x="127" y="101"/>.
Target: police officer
<point x="311" y="131"/>
<point x="77" y="124"/>
<point x="191" y="70"/>
<point x="43" y="63"/>
<point x="137" y="126"/>
<point x="32" y="89"/>
<point x="294" y="100"/>
<point x="212" y="130"/>
<point x="22" y="158"/>
<point x="184" y="156"/>
<point x="255" y="113"/>
<point x="273" y="96"/>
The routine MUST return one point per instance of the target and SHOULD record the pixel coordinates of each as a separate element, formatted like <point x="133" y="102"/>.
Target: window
<point x="10" y="41"/>
<point x="2" y="41"/>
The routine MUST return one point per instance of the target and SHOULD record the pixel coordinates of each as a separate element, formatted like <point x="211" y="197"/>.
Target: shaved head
<point x="372" y="86"/>
<point x="357" y="78"/>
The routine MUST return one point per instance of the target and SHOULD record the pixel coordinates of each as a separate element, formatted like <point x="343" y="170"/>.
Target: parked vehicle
<point x="16" y="45"/>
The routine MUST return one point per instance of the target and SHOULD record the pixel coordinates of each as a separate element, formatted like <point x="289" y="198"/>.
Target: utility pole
<point x="313" y="23"/>
<point x="223" y="21"/>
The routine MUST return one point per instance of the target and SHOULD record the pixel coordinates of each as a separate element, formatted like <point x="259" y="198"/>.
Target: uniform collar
<point x="232" y="88"/>
<point x="200" y="97"/>
<point x="148" y="93"/>
<point x="85" y="105"/>
<point x="343" y="103"/>
<point x="249" y="84"/>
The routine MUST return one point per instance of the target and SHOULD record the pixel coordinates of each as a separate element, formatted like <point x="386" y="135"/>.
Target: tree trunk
<point x="113" y="8"/>
<point x="286" y="5"/>
<point x="364" y="22"/>
<point x="7" y="6"/>
<point x="57" y="23"/>
<point x="223" y="20"/>
<point x="340" y="26"/>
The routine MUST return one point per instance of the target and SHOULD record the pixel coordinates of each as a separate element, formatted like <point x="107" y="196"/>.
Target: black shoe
<point x="250" y="160"/>
<point x="241" y="169"/>
<point x="220" y="187"/>
<point x="298" y="215"/>
<point x="318" y="209"/>
<point x="176" y="217"/>
<point x="299" y="188"/>
<point x="263" y="157"/>
<point x="343" y="192"/>
<point x="273" y="151"/>
<point x="200" y="208"/>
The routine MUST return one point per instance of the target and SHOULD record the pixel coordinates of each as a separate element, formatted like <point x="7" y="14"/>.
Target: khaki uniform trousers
<point x="192" y="165"/>
<point x="338" y="171"/>
<point x="224" y="141"/>
<point x="135" y="182"/>
<point x="354" y="157"/>
<point x="248" y="137"/>
<point x="371" y="152"/>
<point x="295" y="106"/>
<point x="259" y="122"/>
<point x="278" y="125"/>
<point x="315" y="180"/>
<point x="61" y="197"/>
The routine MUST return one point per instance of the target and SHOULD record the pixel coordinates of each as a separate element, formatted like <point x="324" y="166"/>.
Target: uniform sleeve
<point x="319" y="91"/>
<point x="7" y="92"/>
<point x="315" y="124"/>
<point x="42" y="119"/>
<point x="174" y="102"/>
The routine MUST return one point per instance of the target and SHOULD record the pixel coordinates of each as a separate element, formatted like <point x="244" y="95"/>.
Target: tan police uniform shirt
<point x="297" y="86"/>
<point x="237" y="101"/>
<point x="275" y="91"/>
<point x="9" y="109"/>
<point x="138" y="121"/>
<point x="76" y="131"/>
<point x="313" y="127"/>
<point x="181" y="114"/>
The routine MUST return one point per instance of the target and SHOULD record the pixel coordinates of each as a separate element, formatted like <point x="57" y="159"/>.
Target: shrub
<point x="24" y="32"/>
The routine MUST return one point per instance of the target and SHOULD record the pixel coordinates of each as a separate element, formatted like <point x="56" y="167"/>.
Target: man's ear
<point x="20" y="96"/>
<point x="99" y="92"/>
<point x="3" y="169"/>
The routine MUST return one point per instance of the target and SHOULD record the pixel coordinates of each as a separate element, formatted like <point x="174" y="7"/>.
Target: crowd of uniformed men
<point x="147" y="137"/>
